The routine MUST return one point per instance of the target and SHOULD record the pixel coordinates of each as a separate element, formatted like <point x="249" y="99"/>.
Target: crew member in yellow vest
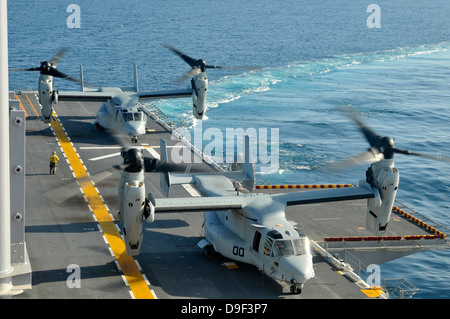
<point x="53" y="162"/>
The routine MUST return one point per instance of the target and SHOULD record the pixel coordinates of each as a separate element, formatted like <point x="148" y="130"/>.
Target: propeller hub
<point x="45" y="67"/>
<point x="386" y="145"/>
<point x="134" y="160"/>
<point x="201" y="64"/>
<point x="49" y="67"/>
<point x="381" y="145"/>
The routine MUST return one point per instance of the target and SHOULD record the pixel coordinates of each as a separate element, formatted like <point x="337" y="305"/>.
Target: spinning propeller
<point x="381" y="147"/>
<point x="49" y="67"/>
<point x="134" y="161"/>
<point x="200" y="65"/>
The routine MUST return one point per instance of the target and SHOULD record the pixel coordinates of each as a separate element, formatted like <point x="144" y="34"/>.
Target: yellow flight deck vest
<point x="54" y="159"/>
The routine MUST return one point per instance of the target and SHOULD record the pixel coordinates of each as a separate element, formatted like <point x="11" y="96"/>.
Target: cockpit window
<point x="268" y="243"/>
<point x="301" y="246"/>
<point x="127" y="116"/>
<point x="290" y="247"/>
<point x="132" y="116"/>
<point x="138" y="116"/>
<point x="283" y="248"/>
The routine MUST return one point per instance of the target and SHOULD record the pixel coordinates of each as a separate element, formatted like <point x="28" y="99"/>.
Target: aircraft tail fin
<point x="81" y="78"/>
<point x="246" y="174"/>
<point x="135" y="86"/>
<point x="136" y="78"/>
<point x="164" y="178"/>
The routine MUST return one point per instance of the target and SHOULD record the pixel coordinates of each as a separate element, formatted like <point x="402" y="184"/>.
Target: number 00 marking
<point x="238" y="251"/>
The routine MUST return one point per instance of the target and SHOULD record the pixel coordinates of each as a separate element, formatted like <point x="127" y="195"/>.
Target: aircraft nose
<point x="298" y="268"/>
<point x="135" y="128"/>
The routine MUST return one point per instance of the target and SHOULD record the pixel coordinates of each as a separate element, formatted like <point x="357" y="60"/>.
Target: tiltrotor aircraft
<point x="252" y="227"/>
<point x="121" y="110"/>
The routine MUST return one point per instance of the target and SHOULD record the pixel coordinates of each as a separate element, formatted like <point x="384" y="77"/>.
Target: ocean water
<point x="314" y="57"/>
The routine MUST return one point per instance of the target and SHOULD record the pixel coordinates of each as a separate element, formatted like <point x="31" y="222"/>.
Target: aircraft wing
<point x="95" y="96"/>
<point x="165" y="94"/>
<point x="325" y="195"/>
<point x="199" y="203"/>
<point x="239" y="202"/>
<point x="83" y="96"/>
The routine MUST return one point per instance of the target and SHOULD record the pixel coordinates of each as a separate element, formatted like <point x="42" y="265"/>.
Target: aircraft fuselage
<point x="259" y="234"/>
<point x="122" y="114"/>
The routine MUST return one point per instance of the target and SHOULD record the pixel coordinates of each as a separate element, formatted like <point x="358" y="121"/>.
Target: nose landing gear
<point x="295" y="287"/>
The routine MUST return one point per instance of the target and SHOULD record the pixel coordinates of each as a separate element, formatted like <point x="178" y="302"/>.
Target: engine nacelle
<point x="385" y="178"/>
<point x="46" y="96"/>
<point x="200" y="88"/>
<point x="55" y="97"/>
<point x="132" y="216"/>
<point x="149" y="211"/>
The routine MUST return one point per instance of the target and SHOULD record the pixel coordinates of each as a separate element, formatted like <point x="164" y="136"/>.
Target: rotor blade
<point x="193" y="62"/>
<point x="152" y="165"/>
<point x="21" y="70"/>
<point x="120" y="166"/>
<point x="369" y="134"/>
<point x="369" y="156"/>
<point x="196" y="71"/>
<point x="120" y="138"/>
<point x="54" y="72"/>
<point x="246" y="68"/>
<point x="193" y="72"/>
<point x="440" y="158"/>
<point x="58" y="56"/>
<point x="64" y="193"/>
<point x="185" y="57"/>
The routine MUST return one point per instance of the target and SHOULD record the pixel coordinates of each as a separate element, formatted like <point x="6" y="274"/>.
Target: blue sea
<point x="315" y="57"/>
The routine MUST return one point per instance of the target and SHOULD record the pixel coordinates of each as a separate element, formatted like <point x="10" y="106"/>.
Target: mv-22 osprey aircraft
<point x="121" y="110"/>
<point x="252" y="227"/>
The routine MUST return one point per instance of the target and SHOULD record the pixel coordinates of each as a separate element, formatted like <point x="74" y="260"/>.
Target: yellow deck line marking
<point x="374" y="292"/>
<point x="21" y="104"/>
<point x="134" y="277"/>
<point x="34" y="110"/>
<point x="231" y="265"/>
